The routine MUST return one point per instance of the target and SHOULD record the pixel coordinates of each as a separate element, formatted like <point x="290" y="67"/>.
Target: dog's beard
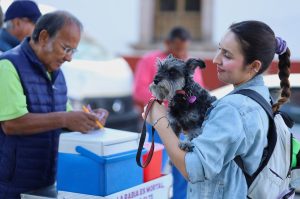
<point x="166" y="89"/>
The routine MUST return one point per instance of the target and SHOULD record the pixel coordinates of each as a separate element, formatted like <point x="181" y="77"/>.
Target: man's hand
<point x="80" y="121"/>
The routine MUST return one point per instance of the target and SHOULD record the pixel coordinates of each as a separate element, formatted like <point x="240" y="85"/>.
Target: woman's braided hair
<point x="284" y="73"/>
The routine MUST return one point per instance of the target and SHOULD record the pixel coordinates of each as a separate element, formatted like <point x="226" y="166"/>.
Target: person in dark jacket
<point x="19" y="21"/>
<point x="34" y="106"/>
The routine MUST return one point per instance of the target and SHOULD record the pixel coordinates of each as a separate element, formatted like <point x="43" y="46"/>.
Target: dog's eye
<point x="172" y="72"/>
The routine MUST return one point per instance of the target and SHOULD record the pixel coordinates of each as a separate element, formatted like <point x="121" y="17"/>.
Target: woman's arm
<point x="167" y="136"/>
<point x="171" y="142"/>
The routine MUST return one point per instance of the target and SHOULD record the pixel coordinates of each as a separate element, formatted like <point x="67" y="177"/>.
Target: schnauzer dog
<point x="188" y="101"/>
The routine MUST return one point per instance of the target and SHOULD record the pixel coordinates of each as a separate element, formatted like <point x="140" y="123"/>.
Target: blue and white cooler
<point x="99" y="163"/>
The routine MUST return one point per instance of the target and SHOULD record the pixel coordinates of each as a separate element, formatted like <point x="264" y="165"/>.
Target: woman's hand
<point x="157" y="111"/>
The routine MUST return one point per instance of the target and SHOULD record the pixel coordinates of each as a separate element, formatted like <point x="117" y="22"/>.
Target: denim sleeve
<point x="221" y="137"/>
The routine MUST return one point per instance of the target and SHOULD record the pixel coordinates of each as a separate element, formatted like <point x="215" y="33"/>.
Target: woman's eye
<point x="227" y="55"/>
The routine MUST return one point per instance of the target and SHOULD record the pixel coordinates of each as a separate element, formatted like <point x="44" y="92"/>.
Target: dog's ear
<point x="158" y="62"/>
<point x="192" y="63"/>
<point x="170" y="56"/>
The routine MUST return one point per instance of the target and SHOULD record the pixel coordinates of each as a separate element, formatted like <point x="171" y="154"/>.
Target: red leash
<point x="143" y="137"/>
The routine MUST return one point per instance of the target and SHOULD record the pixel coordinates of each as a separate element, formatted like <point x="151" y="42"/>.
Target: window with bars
<point x="168" y="5"/>
<point x="193" y="5"/>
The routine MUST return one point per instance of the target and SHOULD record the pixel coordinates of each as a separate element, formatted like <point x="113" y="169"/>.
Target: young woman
<point x="235" y="125"/>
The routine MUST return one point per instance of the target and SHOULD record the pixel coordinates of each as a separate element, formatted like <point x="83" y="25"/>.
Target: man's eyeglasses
<point x="68" y="50"/>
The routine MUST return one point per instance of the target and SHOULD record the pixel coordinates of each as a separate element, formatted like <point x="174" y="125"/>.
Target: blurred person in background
<point x="177" y="43"/>
<point x="19" y="21"/>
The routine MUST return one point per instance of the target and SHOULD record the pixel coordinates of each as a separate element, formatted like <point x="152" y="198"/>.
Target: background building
<point x="129" y="28"/>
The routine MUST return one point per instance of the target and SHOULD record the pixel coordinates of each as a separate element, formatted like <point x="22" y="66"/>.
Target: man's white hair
<point x="8" y="25"/>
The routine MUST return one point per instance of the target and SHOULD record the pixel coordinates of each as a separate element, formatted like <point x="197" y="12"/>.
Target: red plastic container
<point x="153" y="170"/>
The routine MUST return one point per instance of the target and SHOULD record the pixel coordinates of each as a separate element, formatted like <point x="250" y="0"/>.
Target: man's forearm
<point x="33" y="123"/>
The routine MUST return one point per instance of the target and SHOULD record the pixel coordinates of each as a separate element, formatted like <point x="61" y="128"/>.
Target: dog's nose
<point x="156" y="80"/>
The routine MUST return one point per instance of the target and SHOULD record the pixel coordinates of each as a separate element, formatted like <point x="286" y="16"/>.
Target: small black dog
<point x="188" y="101"/>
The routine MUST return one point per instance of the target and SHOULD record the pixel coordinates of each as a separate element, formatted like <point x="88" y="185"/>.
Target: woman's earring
<point x="255" y="70"/>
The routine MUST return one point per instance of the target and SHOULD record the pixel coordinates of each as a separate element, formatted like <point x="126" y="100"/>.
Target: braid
<point x="284" y="73"/>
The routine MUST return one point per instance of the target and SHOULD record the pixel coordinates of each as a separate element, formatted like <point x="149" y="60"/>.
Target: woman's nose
<point x="217" y="58"/>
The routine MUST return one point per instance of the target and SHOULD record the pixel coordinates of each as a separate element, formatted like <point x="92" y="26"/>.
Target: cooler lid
<point x="101" y="142"/>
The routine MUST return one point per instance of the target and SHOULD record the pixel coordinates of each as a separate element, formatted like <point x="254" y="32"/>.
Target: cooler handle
<point x="89" y="154"/>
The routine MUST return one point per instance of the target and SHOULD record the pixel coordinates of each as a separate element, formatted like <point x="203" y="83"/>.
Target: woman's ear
<point x="192" y="63"/>
<point x="256" y="66"/>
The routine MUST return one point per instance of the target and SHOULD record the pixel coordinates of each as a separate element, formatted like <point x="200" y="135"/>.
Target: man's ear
<point x="192" y="63"/>
<point x="15" y="23"/>
<point x="44" y="37"/>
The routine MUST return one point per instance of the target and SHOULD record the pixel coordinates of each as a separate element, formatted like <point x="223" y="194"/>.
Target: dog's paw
<point x="186" y="146"/>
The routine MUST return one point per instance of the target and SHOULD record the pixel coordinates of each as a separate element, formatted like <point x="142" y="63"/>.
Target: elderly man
<point x="33" y="104"/>
<point x="19" y="20"/>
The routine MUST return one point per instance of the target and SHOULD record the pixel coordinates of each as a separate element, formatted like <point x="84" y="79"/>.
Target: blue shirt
<point x="235" y="125"/>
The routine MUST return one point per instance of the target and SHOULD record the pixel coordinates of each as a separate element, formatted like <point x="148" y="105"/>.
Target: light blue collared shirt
<point x="235" y="125"/>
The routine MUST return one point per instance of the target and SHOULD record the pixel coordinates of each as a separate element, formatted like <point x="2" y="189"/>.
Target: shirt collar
<point x="255" y="81"/>
<point x="27" y="49"/>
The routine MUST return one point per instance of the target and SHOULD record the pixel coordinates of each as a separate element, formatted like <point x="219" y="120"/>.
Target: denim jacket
<point x="234" y="125"/>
